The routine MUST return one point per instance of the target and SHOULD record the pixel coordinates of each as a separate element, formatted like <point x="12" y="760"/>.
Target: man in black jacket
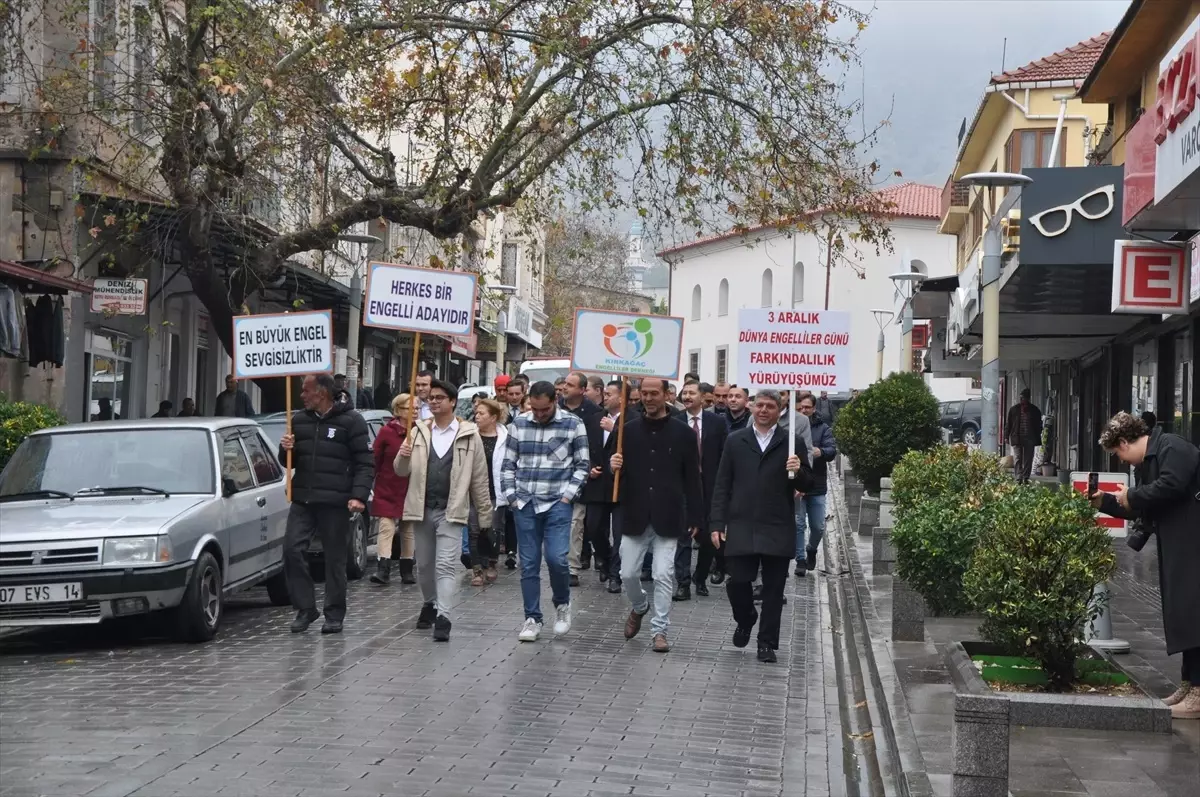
<point x="754" y="517"/>
<point x="576" y="402"/>
<point x="597" y="491"/>
<point x="709" y="431"/>
<point x="810" y="507"/>
<point x="661" y="502"/>
<point x="334" y="471"/>
<point x="737" y="416"/>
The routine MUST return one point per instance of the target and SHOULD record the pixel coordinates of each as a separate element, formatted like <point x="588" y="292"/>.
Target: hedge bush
<point x="944" y="499"/>
<point x="19" y="419"/>
<point x="1032" y="576"/>
<point x="887" y="420"/>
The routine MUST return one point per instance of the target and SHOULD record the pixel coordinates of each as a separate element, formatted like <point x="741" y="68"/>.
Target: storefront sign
<point x="1148" y="278"/>
<point x="464" y="345"/>
<point x="119" y="296"/>
<point x="519" y="322"/>
<point x="1069" y="217"/>
<point x="1109" y="482"/>
<point x="420" y="299"/>
<point x="626" y="344"/>
<point x="283" y="344"/>
<point x="794" y="349"/>
<point x="1194" y="257"/>
<point x="1176" y="126"/>
<point x="1140" y="157"/>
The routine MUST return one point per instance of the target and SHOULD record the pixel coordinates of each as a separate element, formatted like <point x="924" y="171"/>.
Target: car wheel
<point x="199" y="615"/>
<point x="970" y="435"/>
<point x="356" y="564"/>
<point x="277" y="590"/>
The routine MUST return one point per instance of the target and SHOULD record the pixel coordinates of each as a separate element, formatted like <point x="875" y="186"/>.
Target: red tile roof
<point x="904" y="201"/>
<point x="1073" y="63"/>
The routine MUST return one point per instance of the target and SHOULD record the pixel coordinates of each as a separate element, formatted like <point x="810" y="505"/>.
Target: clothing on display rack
<point x="44" y="324"/>
<point x="12" y="323"/>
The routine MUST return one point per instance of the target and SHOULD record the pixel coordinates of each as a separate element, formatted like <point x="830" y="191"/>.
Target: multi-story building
<point x="712" y="278"/>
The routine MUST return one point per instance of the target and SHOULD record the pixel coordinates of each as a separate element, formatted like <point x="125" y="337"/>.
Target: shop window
<point x="109" y="363"/>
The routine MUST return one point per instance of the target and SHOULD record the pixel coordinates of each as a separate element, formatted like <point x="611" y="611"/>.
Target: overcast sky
<point x="928" y="62"/>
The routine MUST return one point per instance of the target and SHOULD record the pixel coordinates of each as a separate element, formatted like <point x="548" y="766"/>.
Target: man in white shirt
<point x="421" y="388"/>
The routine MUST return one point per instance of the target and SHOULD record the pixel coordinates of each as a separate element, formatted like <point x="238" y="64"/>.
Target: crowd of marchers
<point x="552" y="471"/>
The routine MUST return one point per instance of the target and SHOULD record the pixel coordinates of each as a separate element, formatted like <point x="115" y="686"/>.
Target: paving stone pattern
<point x="382" y="709"/>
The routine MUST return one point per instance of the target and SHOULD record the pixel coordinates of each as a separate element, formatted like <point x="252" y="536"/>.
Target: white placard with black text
<point x="283" y="344"/>
<point x="427" y="300"/>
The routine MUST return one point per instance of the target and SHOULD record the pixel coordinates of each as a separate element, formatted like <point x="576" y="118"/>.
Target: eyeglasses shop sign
<point x="119" y="296"/>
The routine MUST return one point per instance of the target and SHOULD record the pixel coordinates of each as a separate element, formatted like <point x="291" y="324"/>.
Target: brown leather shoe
<point x="633" y="624"/>
<point x="661" y="645"/>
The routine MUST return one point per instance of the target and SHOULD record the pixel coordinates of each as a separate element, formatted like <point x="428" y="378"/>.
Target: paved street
<point x="384" y="710"/>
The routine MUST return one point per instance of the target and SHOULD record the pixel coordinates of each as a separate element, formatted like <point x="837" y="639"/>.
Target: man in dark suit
<point x="710" y="431"/>
<point x="597" y="491"/>
<point x="661" y="502"/>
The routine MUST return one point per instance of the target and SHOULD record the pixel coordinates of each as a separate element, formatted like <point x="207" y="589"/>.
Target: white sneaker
<point x="562" y="619"/>
<point x="530" y="631"/>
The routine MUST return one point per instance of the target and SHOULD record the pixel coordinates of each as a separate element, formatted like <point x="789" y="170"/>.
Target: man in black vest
<point x="709" y="432"/>
<point x="754" y="517"/>
<point x="661" y="502"/>
<point x="334" y="473"/>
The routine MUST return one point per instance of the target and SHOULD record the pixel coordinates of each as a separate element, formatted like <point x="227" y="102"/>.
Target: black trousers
<point x="1191" y="667"/>
<point x="601" y="532"/>
<point x="742" y="570"/>
<point x="683" y="562"/>
<point x="332" y="523"/>
<point x="707" y="556"/>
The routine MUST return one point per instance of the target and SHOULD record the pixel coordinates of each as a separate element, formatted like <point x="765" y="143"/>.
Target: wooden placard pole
<point x="791" y="429"/>
<point x="412" y="382"/>
<point x="288" y="390"/>
<point x="620" y="437"/>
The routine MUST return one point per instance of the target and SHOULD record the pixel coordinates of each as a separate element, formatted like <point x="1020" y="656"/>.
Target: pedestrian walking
<point x="447" y="472"/>
<point x="490" y="417"/>
<point x="709" y="433"/>
<point x="737" y="412"/>
<point x="334" y="470"/>
<point x="810" y="505"/>
<point x="387" y="500"/>
<point x="597" y="491"/>
<point x="824" y="409"/>
<point x="1024" y="427"/>
<point x="514" y="393"/>
<point x="660" y="505"/>
<point x="754" y="518"/>
<point x="233" y="402"/>
<point x="1167" y="500"/>
<point x="575" y="401"/>
<point x="164" y="410"/>
<point x="545" y="465"/>
<point x="721" y="398"/>
<point x="422" y="387"/>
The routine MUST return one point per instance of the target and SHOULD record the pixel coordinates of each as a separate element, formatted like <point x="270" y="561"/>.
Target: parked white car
<point x="119" y="518"/>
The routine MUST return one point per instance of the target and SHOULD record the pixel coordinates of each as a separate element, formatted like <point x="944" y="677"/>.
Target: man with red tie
<point x="710" y="431"/>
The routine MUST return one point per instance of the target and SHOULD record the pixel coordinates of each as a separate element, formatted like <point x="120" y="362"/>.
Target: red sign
<point x="1108" y="483"/>
<point x="463" y="345"/>
<point x="920" y="336"/>
<point x="1149" y="278"/>
<point x="1140" y="155"/>
<point x="1177" y="90"/>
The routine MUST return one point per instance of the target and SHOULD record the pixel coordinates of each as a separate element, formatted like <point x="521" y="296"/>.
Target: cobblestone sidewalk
<point x="381" y="709"/>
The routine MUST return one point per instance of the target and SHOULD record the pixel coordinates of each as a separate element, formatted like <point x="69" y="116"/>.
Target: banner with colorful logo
<point x="626" y="344"/>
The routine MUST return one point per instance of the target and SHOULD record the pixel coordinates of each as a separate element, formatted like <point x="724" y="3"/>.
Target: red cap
<point x="502" y="380"/>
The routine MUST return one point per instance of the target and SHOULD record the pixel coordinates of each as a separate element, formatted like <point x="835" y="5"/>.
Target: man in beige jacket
<point x="446" y="467"/>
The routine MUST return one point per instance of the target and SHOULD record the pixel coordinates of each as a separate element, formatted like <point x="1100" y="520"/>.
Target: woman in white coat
<point x="490" y="417"/>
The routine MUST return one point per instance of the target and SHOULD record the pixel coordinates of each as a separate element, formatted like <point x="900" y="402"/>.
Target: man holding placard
<point x="334" y="472"/>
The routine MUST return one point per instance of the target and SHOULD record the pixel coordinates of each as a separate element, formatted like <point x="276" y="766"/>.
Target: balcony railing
<point x="955" y="195"/>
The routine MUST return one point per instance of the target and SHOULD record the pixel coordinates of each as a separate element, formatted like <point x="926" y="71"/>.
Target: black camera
<point x="1139" y="534"/>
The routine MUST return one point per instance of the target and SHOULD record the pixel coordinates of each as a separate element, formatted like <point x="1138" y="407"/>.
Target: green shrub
<point x="19" y="419"/>
<point x="944" y="499"/>
<point x="1032" y="576"/>
<point x="886" y="421"/>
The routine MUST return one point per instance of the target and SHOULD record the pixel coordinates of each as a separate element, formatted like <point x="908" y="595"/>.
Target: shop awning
<point x="43" y="280"/>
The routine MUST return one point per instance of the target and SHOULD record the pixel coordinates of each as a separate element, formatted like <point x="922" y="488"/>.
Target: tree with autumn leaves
<point x="699" y="114"/>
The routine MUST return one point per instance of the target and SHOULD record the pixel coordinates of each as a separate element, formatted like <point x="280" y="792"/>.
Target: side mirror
<point x="228" y="487"/>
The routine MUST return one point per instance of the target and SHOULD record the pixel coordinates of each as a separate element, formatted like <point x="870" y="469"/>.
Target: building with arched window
<point x="765" y="268"/>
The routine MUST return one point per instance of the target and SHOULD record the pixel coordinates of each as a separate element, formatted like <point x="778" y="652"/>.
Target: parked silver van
<point x="118" y="518"/>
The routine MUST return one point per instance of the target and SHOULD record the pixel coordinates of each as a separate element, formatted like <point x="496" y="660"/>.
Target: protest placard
<point x="628" y="344"/>
<point x="282" y="344"/>
<point x="420" y="299"/>
<point x="794" y="349"/>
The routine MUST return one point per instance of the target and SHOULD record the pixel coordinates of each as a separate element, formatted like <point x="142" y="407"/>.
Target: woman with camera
<point x="1166" y="503"/>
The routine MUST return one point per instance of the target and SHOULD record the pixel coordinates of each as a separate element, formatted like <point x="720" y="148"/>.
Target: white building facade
<point x="712" y="279"/>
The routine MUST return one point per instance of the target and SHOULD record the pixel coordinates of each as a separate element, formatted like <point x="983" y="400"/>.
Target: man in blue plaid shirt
<point x="545" y="465"/>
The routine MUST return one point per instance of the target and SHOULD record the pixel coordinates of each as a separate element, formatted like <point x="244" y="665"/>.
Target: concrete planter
<point x="1091" y="712"/>
<point x="868" y="515"/>
<point x="883" y="553"/>
<point x="908" y="612"/>
<point x="853" y="493"/>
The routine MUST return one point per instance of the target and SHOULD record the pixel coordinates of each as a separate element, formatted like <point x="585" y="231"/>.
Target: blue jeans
<point x="550" y="530"/>
<point x="662" y="550"/>
<point x="466" y="540"/>
<point x="810" y="513"/>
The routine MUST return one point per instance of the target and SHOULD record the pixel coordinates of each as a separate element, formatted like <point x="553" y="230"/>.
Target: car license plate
<point x="41" y="593"/>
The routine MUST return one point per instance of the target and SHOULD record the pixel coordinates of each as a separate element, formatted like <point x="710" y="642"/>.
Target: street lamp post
<point x="910" y="280"/>
<point x="355" y="305"/>
<point x="990" y="283"/>
<point x="882" y="317"/>
<point x="502" y="325"/>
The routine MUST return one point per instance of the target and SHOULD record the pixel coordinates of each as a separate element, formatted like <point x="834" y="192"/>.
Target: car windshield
<point x="171" y="460"/>
<point x="544" y="374"/>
